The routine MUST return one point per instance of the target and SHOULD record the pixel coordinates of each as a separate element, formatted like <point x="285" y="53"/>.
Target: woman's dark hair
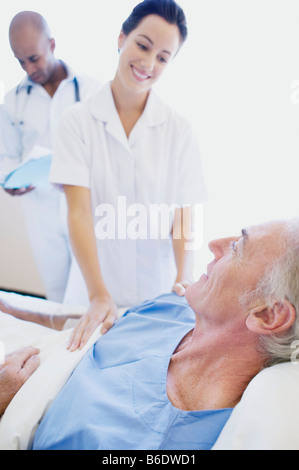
<point x="167" y="9"/>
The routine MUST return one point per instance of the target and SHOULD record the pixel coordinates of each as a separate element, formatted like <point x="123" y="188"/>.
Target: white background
<point x="236" y="79"/>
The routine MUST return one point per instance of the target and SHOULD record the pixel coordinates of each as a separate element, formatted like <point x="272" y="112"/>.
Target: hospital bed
<point x="267" y="417"/>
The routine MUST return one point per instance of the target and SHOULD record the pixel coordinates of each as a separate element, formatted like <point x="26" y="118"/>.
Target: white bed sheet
<point x="20" y="420"/>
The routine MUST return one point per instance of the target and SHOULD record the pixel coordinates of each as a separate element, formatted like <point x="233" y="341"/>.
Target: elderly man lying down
<point x="170" y="372"/>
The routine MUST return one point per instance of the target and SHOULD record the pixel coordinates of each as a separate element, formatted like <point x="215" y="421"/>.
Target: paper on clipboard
<point x="34" y="171"/>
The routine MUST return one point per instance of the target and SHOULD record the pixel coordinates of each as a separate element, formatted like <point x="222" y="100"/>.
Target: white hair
<point x="281" y="282"/>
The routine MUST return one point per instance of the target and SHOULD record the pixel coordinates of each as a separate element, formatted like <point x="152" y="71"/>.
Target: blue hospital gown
<point x="116" y="398"/>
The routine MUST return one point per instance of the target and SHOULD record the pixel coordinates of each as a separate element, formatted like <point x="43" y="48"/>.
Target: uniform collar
<point x="70" y="72"/>
<point x="26" y="82"/>
<point x="103" y="108"/>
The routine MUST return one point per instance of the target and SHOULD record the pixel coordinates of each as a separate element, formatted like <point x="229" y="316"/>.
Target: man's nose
<point x="220" y="247"/>
<point x="29" y="68"/>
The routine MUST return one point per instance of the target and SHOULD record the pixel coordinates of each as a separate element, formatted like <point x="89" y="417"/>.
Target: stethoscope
<point x="20" y="112"/>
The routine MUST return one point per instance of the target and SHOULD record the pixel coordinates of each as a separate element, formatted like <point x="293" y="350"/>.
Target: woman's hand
<point x="20" y="191"/>
<point x="179" y="288"/>
<point x="101" y="310"/>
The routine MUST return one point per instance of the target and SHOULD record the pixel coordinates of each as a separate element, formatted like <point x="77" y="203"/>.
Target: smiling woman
<point x="144" y="54"/>
<point x="150" y="38"/>
<point x="127" y="142"/>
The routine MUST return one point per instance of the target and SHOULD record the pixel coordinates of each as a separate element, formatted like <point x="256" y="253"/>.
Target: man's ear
<point x="271" y="319"/>
<point x="52" y="45"/>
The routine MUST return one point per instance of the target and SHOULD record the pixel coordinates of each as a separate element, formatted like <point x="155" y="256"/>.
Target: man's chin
<point x="196" y="290"/>
<point x="39" y="80"/>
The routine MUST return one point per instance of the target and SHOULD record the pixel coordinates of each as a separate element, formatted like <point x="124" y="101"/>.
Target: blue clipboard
<point x="32" y="173"/>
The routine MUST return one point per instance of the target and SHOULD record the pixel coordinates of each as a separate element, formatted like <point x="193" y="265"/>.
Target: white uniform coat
<point x="158" y="164"/>
<point x="28" y="121"/>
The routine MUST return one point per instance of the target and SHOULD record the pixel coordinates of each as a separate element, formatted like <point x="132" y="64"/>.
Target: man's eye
<point x="234" y="246"/>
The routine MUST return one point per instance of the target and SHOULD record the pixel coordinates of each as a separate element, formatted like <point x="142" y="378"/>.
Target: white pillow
<point x="267" y="417"/>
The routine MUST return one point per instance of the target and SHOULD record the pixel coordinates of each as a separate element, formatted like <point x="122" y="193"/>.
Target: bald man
<point x="33" y="46"/>
<point x="28" y="121"/>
